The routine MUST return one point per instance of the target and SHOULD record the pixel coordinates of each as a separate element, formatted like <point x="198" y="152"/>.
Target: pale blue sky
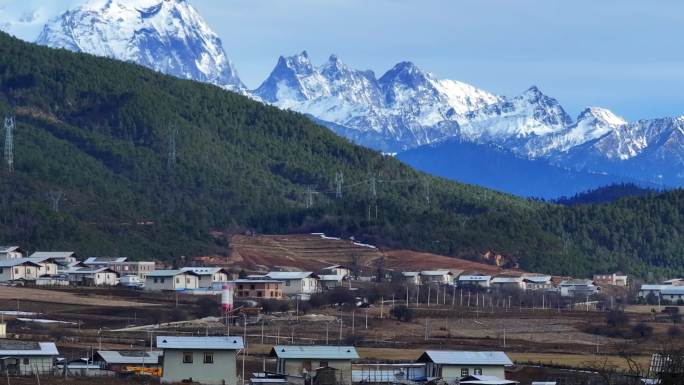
<point x="621" y="54"/>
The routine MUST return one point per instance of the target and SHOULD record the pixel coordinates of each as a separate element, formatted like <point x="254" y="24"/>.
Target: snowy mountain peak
<point x="405" y="73"/>
<point x="602" y="115"/>
<point x="166" y="35"/>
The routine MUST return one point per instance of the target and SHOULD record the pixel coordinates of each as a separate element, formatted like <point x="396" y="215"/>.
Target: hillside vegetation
<point x="98" y="133"/>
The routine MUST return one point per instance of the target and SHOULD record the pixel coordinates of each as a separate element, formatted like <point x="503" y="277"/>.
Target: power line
<point x="9" y="143"/>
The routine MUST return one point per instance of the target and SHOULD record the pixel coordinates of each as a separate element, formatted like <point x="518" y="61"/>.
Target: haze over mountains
<point x="404" y="109"/>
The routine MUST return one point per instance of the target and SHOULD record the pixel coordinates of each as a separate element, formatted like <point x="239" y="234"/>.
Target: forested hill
<point x="606" y="194"/>
<point x="95" y="172"/>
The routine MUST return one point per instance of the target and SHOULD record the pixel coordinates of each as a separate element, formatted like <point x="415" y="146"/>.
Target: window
<point x="177" y="280"/>
<point x="16" y="270"/>
<point x="287" y="283"/>
<point x="477" y="371"/>
<point x="187" y="357"/>
<point x="259" y="294"/>
<point x="26" y="361"/>
<point x="323" y="364"/>
<point x="155" y="280"/>
<point x="252" y="287"/>
<point x="208" y="358"/>
<point x="306" y="365"/>
<point x="240" y="287"/>
<point x="464" y="372"/>
<point x="162" y="280"/>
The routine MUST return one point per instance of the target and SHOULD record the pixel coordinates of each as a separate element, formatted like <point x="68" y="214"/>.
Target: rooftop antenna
<point x="9" y="143"/>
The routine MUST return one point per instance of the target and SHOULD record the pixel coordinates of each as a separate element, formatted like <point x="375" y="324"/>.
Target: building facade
<point x="206" y="360"/>
<point x="451" y="366"/>
<point x="258" y="289"/>
<point x="162" y="280"/>
<point x="302" y="361"/>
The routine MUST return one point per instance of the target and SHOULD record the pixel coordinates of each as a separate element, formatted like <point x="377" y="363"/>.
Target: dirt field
<point x="312" y="252"/>
<point x="61" y="297"/>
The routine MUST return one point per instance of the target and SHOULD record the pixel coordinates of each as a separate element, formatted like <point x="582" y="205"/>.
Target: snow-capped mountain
<point x="592" y="123"/>
<point x="166" y="35"/>
<point x="405" y="108"/>
<point x="531" y="114"/>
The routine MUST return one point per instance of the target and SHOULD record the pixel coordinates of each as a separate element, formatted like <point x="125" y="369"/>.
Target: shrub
<point x="402" y="313"/>
<point x="642" y="330"/>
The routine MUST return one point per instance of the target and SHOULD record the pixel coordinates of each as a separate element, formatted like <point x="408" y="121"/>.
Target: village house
<point x="47" y="265"/>
<point x="538" y="282"/>
<point x="20" y="269"/>
<point x="477" y="280"/>
<point x="205" y="360"/>
<point x="674" y="294"/>
<point x="295" y="282"/>
<point x="131" y="281"/>
<point x="258" y="289"/>
<point x="135" y="268"/>
<point x="578" y="288"/>
<point x="411" y="277"/>
<point x="436" y="277"/>
<point x="160" y="280"/>
<point x="22" y="358"/>
<point x="451" y="366"/>
<point x="331" y="281"/>
<point x="337" y="270"/>
<point x="508" y="283"/>
<point x="304" y="360"/>
<point x="208" y="275"/>
<point x="674" y="282"/>
<point x="610" y="279"/>
<point x="124" y="360"/>
<point x="60" y="257"/>
<point x="93" y="276"/>
<point x="11" y="252"/>
<point x="647" y="290"/>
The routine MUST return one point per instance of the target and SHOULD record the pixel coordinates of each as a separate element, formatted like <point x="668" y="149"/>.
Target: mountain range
<point x="404" y="109"/>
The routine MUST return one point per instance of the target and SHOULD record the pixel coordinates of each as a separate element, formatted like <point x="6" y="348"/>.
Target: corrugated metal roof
<point x="169" y="273"/>
<point x="331" y="277"/>
<point x="17" y="262"/>
<point x="52" y="254"/>
<point x="104" y="260"/>
<point x="91" y="270"/>
<point x="315" y="351"/>
<point x="654" y="287"/>
<point x="672" y="290"/>
<point x="410" y="273"/>
<point x="453" y="357"/>
<point x="486" y="380"/>
<point x="21" y="348"/>
<point x="213" y="343"/>
<point x="124" y="357"/>
<point x="507" y="280"/>
<point x="289" y="274"/>
<point x="8" y="249"/>
<point x="538" y="278"/>
<point x="577" y="282"/>
<point x="203" y="270"/>
<point x="256" y="280"/>
<point x="474" y="277"/>
<point x="435" y="272"/>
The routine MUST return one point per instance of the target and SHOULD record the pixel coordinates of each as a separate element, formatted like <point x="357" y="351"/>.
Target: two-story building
<point x="302" y="361"/>
<point x="204" y="360"/>
<point x="11" y="252"/>
<point x="163" y="280"/>
<point x="258" y="289"/>
<point x="611" y="279"/>
<point x="208" y="275"/>
<point x="337" y="270"/>
<point x="93" y="276"/>
<point x="578" y="288"/>
<point x="295" y="282"/>
<point x="451" y="366"/>
<point x="139" y="269"/>
<point x="63" y="258"/>
<point x="20" y="269"/>
<point x="538" y="282"/>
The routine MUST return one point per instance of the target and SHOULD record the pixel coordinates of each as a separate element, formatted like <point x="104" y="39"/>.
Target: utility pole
<point x="309" y="197"/>
<point x="171" y="157"/>
<point x="339" y="181"/>
<point x="9" y="143"/>
<point x="426" y="183"/>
